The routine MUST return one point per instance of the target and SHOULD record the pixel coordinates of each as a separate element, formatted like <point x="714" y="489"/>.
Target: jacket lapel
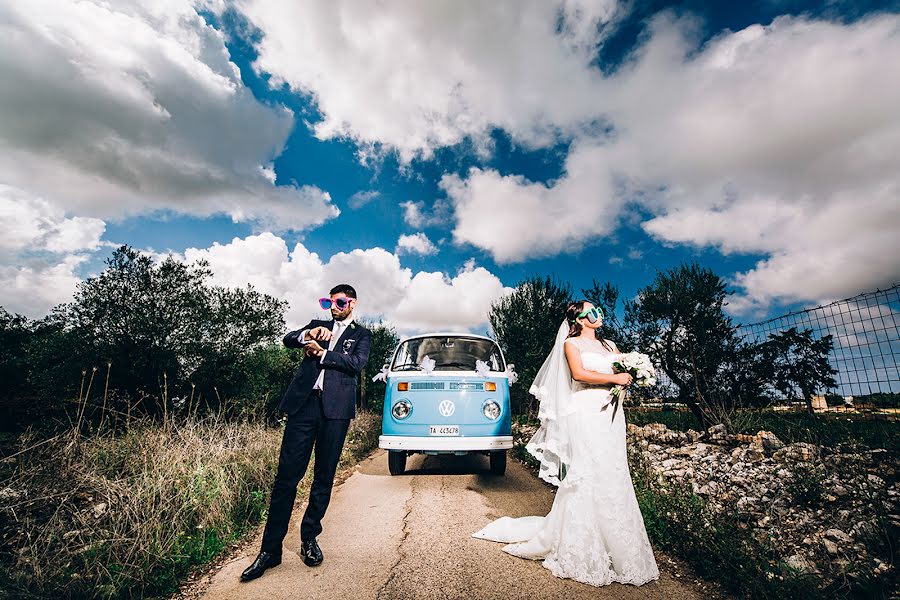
<point x="347" y="330"/>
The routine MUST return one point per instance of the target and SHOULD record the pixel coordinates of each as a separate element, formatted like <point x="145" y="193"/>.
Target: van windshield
<point x="448" y="354"/>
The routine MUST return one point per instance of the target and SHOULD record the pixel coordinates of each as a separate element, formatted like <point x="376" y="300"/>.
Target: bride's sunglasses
<point x="340" y="303"/>
<point x="593" y="314"/>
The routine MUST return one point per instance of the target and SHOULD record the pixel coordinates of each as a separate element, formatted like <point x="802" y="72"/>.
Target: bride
<point x="594" y="532"/>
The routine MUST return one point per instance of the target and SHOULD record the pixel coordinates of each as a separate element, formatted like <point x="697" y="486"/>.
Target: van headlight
<point x="401" y="409"/>
<point x="491" y="410"/>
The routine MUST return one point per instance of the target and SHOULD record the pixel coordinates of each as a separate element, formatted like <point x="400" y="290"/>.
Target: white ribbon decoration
<point x="482" y="368"/>
<point x="383" y="375"/>
<point x="511" y="374"/>
<point x="427" y="364"/>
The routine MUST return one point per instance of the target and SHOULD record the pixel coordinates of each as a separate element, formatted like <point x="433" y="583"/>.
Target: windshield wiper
<point x="407" y="367"/>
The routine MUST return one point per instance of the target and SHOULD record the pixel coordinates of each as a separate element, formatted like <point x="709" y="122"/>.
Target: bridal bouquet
<point x="640" y="368"/>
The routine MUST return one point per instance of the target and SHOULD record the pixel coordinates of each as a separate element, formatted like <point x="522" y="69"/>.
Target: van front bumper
<point x="445" y="444"/>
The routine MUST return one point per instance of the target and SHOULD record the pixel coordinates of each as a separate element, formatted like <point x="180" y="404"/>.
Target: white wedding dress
<point x="594" y="532"/>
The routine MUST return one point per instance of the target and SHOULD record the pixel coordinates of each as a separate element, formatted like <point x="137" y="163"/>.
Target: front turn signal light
<point x="490" y="386"/>
<point x="403" y="386"/>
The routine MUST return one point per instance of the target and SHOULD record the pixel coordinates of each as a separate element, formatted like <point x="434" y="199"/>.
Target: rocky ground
<point x="833" y="512"/>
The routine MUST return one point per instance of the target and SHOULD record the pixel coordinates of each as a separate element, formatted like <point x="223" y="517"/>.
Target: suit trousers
<point x="305" y="429"/>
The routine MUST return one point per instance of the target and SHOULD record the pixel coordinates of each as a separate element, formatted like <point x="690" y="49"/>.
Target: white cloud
<point x="120" y="109"/>
<point x="417" y="215"/>
<point x="758" y="141"/>
<point x="32" y="223"/>
<point x="768" y="140"/>
<point x="360" y="199"/>
<point x="34" y="289"/>
<point x="515" y="219"/>
<point x="417" y="243"/>
<point x="419" y="76"/>
<point x="410" y="302"/>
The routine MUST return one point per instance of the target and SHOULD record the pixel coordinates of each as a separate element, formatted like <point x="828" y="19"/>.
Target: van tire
<point x="396" y="462"/>
<point x="498" y="462"/>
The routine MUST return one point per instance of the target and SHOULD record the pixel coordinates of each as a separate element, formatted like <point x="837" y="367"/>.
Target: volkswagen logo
<point x="446" y="408"/>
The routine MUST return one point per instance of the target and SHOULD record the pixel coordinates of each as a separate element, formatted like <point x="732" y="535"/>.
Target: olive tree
<point x="796" y="362"/>
<point x="524" y="324"/>
<point x="680" y="322"/>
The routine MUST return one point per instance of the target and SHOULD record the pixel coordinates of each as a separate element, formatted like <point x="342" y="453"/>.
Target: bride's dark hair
<point x="574" y="309"/>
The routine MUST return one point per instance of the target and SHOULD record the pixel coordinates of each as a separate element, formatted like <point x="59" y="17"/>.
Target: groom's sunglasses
<point x="341" y="303"/>
<point x="593" y="314"/>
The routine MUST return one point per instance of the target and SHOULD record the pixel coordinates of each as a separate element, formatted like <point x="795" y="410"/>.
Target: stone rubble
<point x="825" y="510"/>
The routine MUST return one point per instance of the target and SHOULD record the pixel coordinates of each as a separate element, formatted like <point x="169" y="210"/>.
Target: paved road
<point x="409" y="537"/>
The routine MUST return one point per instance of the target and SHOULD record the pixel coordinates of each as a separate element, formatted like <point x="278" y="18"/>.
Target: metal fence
<point x="864" y="329"/>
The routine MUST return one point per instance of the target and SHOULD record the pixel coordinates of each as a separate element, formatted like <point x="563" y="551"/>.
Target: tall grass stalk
<point x="83" y="402"/>
<point x="165" y="399"/>
<point x="105" y="394"/>
<point x="130" y="514"/>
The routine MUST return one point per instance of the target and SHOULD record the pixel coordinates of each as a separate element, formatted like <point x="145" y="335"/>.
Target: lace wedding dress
<point x="594" y="532"/>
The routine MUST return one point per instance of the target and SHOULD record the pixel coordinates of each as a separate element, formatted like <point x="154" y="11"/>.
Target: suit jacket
<point x="342" y="368"/>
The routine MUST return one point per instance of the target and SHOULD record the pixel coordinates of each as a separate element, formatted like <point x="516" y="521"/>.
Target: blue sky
<point x="586" y="140"/>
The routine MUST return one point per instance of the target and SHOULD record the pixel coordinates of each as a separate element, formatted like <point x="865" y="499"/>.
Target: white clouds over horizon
<point x="409" y="301"/>
<point x="780" y="141"/>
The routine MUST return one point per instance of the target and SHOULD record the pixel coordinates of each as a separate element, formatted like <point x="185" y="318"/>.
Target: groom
<point x="320" y="402"/>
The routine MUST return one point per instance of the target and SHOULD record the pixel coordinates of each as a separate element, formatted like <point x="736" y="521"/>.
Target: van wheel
<point x="498" y="462"/>
<point x="396" y="462"/>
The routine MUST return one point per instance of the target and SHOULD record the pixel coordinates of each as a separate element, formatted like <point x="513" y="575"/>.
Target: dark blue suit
<point x="342" y="368"/>
<point x="315" y="420"/>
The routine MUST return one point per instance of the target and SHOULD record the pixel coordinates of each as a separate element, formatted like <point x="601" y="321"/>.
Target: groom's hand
<point x="319" y="333"/>
<point x="314" y="349"/>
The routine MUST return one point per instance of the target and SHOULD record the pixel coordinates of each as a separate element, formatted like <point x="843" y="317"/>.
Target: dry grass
<point x="131" y="514"/>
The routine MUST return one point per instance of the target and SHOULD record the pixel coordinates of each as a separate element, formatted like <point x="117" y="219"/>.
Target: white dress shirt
<point x="336" y="331"/>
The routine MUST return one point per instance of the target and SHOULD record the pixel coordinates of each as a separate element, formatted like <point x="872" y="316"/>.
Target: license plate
<point x="443" y="429"/>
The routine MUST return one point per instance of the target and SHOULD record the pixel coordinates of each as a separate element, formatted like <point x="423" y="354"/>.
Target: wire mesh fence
<point x="864" y="329"/>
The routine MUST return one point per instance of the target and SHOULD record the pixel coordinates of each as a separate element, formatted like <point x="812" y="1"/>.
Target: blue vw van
<point x="447" y="393"/>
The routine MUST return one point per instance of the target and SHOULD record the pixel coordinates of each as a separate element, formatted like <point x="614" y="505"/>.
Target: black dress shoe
<point x="312" y="554"/>
<point x="264" y="560"/>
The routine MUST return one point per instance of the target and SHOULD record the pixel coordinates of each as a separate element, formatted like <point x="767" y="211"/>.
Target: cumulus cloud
<point x="410" y="302"/>
<point x="35" y="288"/>
<point x="757" y="141"/>
<point x="417" y="215"/>
<point x="515" y="219"/>
<point x="120" y="109"/>
<point x="28" y="222"/>
<point x="767" y="141"/>
<point x="416" y="243"/>
<point x="414" y="77"/>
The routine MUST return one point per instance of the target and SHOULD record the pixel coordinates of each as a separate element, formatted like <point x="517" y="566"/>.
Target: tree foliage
<point x="384" y="342"/>
<point x="679" y="321"/>
<point x="798" y="363"/>
<point x="606" y="297"/>
<point x="160" y="330"/>
<point x="525" y="323"/>
<point x="14" y="336"/>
